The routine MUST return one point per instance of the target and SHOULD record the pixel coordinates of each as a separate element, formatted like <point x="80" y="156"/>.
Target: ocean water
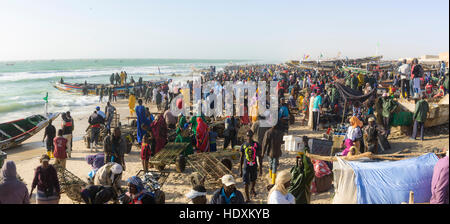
<point x="24" y="84"/>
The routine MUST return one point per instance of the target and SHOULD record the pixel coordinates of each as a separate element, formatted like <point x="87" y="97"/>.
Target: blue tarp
<point x="390" y="182"/>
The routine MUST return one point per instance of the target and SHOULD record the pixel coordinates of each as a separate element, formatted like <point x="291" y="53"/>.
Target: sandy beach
<point x="178" y="184"/>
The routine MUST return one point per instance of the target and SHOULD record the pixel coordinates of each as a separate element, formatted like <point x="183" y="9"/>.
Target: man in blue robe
<point x="141" y="120"/>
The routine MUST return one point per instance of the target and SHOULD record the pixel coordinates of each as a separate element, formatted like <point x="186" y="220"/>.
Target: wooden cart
<point x="170" y="154"/>
<point x="209" y="167"/>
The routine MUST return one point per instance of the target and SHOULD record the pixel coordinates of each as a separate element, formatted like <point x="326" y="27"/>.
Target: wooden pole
<point x="343" y="115"/>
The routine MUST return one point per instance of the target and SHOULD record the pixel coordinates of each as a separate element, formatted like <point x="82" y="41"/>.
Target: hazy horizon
<point x="230" y="30"/>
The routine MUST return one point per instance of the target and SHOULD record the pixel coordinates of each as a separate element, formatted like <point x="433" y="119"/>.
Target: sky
<point x="228" y="29"/>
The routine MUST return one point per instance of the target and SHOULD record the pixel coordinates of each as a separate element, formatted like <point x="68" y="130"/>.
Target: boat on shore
<point x="77" y="88"/>
<point x="438" y="114"/>
<point x="13" y="133"/>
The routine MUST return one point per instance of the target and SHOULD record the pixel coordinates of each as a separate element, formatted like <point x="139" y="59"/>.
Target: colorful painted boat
<point x="77" y="88"/>
<point x="13" y="133"/>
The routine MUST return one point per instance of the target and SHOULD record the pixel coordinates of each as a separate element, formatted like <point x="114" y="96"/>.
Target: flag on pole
<point x="46" y="98"/>
<point x="46" y="104"/>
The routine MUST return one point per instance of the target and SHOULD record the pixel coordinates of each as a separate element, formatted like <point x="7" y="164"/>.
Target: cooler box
<point x="293" y="144"/>
<point x="320" y="147"/>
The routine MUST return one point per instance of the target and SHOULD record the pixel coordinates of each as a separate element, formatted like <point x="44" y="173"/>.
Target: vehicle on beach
<point x="13" y="133"/>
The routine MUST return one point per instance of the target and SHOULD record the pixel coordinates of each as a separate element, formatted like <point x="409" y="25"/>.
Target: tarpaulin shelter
<point x="349" y="94"/>
<point x="386" y="182"/>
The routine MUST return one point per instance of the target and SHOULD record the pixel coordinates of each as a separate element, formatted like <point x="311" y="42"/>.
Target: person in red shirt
<point x="60" y="146"/>
<point x="429" y="89"/>
<point x="147" y="149"/>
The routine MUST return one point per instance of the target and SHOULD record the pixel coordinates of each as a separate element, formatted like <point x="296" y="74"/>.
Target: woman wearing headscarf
<point x="183" y="134"/>
<point x="159" y="129"/>
<point x="202" y="136"/>
<point x="136" y="192"/>
<point x="47" y="183"/>
<point x="96" y="161"/>
<point x="132" y="103"/>
<point x="12" y="190"/>
<point x="279" y="193"/>
<point x="353" y="135"/>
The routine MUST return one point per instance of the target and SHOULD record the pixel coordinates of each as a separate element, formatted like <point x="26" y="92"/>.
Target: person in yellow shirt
<point x="360" y="81"/>
<point x="132" y="104"/>
<point x="122" y="78"/>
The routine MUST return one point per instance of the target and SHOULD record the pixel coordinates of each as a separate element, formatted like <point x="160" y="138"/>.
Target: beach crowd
<point x="362" y="106"/>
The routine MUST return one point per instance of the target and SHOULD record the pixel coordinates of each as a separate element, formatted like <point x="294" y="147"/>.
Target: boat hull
<point x="438" y="114"/>
<point x="78" y="88"/>
<point x="25" y="133"/>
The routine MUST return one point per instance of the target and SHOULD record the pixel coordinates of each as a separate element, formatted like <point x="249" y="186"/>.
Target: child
<point x="147" y="149"/>
<point x="212" y="140"/>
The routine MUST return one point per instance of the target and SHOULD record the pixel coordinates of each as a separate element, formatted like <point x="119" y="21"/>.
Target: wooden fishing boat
<point x="77" y="88"/>
<point x="438" y="114"/>
<point x="15" y="132"/>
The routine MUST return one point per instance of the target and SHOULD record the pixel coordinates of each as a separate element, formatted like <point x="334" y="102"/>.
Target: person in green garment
<point x="389" y="106"/>
<point x="446" y="83"/>
<point x="354" y="82"/>
<point x="334" y="96"/>
<point x="194" y="123"/>
<point x="182" y="135"/>
<point x="302" y="176"/>
<point x="420" y="116"/>
<point x="348" y="78"/>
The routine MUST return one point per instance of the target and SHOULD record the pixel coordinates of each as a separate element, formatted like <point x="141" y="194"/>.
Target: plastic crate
<point x="320" y="147"/>
<point x="2" y="158"/>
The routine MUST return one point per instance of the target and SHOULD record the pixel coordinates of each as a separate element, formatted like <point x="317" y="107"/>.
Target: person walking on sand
<point x="115" y="146"/>
<point x="47" y="183"/>
<point x="159" y="129"/>
<point x="67" y="127"/>
<point x="60" y="145"/>
<point x="249" y="157"/>
<point x="272" y="146"/>
<point x="147" y="149"/>
<point x="141" y="120"/>
<point x="117" y="78"/>
<point x="122" y="78"/>
<point x="50" y="133"/>
<point x="12" y="190"/>
<point x="101" y="94"/>
<point x="132" y="104"/>
<point x="110" y="109"/>
<point x="95" y="122"/>
<point x="111" y="79"/>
